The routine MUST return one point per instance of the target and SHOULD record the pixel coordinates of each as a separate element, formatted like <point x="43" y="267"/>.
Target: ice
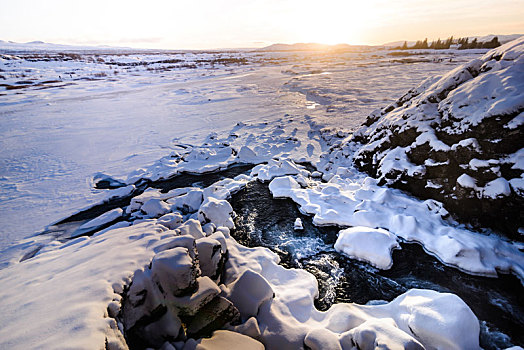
<point x="103" y="220"/>
<point x="367" y="244"/>
<point x="297" y="225"/>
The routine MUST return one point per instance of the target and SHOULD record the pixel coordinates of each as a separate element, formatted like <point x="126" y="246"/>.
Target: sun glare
<point x="334" y="23"/>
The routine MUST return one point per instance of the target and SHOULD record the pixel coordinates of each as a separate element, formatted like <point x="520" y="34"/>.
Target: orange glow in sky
<point x="201" y="24"/>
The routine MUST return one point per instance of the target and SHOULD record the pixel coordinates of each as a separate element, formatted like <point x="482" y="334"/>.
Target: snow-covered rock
<point x="218" y="211"/>
<point x="225" y="340"/>
<point x="416" y="318"/>
<point x="455" y="139"/>
<point x="297" y="225"/>
<point x="367" y="244"/>
<point x="276" y="168"/>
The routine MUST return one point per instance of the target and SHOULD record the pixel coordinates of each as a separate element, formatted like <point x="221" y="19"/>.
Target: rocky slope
<point x="457" y="139"/>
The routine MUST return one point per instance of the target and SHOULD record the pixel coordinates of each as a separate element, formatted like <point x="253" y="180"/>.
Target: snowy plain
<point x="135" y="125"/>
<point x="101" y="113"/>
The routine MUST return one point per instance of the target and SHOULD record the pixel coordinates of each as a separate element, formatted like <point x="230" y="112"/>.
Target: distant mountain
<point x="504" y="38"/>
<point x="43" y="46"/>
<point x="311" y="47"/>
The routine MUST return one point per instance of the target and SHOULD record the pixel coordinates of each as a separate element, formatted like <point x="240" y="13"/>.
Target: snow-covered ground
<point x="65" y="118"/>
<point x="139" y="126"/>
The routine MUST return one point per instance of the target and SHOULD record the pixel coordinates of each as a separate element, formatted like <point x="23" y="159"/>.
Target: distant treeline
<point x="461" y="44"/>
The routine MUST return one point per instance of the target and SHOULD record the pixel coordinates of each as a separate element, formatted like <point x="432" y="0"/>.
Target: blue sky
<point x="201" y="24"/>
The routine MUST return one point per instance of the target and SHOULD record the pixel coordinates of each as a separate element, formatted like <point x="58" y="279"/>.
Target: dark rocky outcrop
<point x="458" y="139"/>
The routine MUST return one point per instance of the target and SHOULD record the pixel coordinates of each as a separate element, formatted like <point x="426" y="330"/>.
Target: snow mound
<point x="367" y="244"/>
<point x="466" y="123"/>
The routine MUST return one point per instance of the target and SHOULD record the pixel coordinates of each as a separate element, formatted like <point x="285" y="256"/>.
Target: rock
<point x="323" y="339"/>
<point x="225" y="231"/>
<point x="212" y="316"/>
<point x="209" y="228"/>
<point x="155" y="208"/>
<point x="171" y="220"/>
<point x="249" y="328"/>
<point x="174" y="272"/>
<point x="466" y="125"/>
<point x="168" y="326"/>
<point x="298" y="225"/>
<point x="367" y="244"/>
<point x="225" y="340"/>
<point x="185" y="241"/>
<point x="217" y="211"/>
<point x="210" y="256"/>
<point x="189" y="305"/>
<point x="189" y="202"/>
<point x="248" y="292"/>
<point x="379" y="334"/>
<point x="193" y="228"/>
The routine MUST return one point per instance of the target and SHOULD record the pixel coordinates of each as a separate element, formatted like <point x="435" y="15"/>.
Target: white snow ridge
<point x="160" y="267"/>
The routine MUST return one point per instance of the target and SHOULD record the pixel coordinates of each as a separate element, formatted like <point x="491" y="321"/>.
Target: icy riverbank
<point x="159" y="267"/>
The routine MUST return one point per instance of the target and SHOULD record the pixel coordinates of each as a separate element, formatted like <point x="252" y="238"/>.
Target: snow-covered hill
<point x="457" y="139"/>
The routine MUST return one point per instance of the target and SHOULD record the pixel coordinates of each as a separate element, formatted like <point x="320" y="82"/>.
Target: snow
<point x="72" y="290"/>
<point x="62" y="294"/>
<point x="436" y="320"/>
<point x="359" y="201"/>
<point x="465" y="180"/>
<point x="217" y="211"/>
<point x="106" y="117"/>
<point x="297" y="225"/>
<point x="102" y="220"/>
<point x="367" y="244"/>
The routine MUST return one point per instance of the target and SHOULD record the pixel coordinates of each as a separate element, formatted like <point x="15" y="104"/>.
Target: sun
<point x="334" y="22"/>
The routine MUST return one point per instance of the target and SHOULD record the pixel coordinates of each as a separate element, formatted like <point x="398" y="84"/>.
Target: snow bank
<point x="60" y="297"/>
<point x="359" y="201"/>
<point x="174" y="274"/>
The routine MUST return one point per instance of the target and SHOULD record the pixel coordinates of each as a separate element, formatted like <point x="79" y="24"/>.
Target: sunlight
<point x="334" y="23"/>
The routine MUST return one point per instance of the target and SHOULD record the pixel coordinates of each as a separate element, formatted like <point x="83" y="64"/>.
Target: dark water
<point x="71" y="223"/>
<point x="264" y="221"/>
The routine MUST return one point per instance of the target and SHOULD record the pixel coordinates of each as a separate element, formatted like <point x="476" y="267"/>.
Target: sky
<point x="208" y="24"/>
